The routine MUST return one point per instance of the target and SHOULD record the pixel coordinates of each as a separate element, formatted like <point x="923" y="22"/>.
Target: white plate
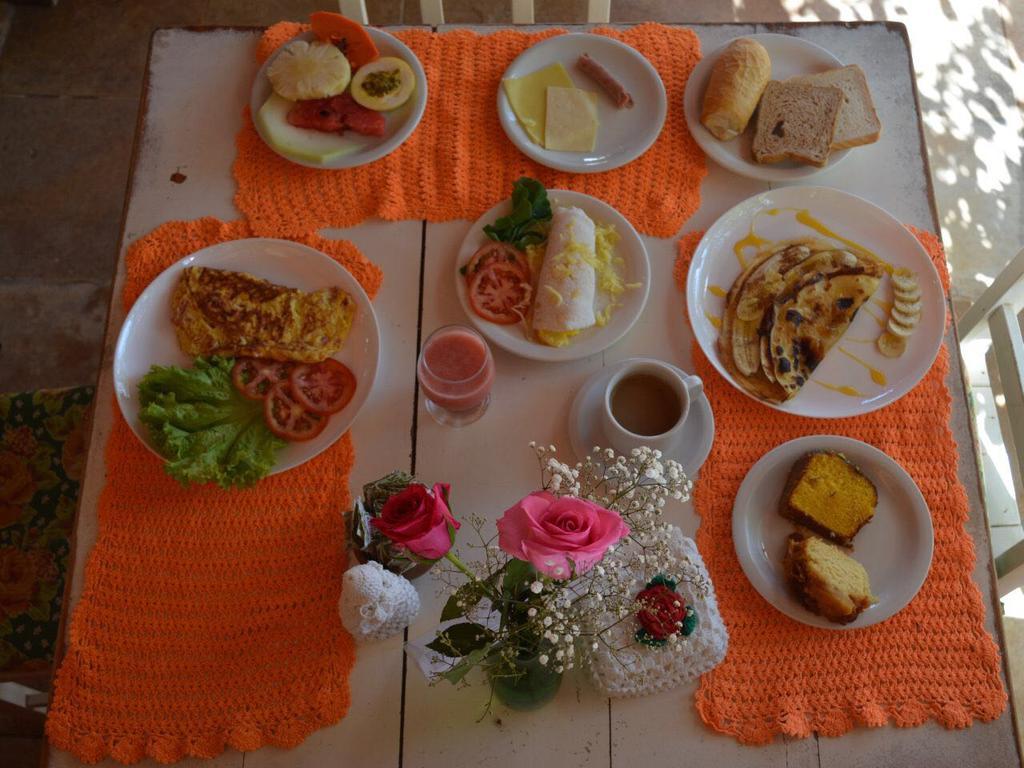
<point x="637" y="270"/>
<point x="895" y="548"/>
<point x="400" y="123"/>
<point x="585" y="431"/>
<point x="790" y="56"/>
<point x="623" y="134"/>
<point x="147" y="337"/>
<point x="855" y="219"/>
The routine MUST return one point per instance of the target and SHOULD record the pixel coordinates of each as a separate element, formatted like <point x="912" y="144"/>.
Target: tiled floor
<point x="70" y="78"/>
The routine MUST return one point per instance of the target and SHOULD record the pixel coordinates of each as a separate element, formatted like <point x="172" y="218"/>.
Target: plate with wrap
<point x="255" y="271"/>
<point x="585" y="285"/>
<point x="815" y="302"/>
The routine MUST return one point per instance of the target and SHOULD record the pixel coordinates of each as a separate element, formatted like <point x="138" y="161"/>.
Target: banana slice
<point x="891" y="345"/>
<point x="898" y="329"/>
<point x="908" y="307"/>
<point x="904" y="319"/>
<point x="746" y="346"/>
<point x="911" y="294"/>
<point x="904" y="280"/>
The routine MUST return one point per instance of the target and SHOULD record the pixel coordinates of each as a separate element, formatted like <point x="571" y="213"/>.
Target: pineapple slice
<point x="309" y="71"/>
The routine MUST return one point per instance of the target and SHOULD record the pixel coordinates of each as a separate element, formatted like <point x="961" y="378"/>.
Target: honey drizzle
<point x="876" y="375"/>
<point x="841" y="389"/>
<point x="885" y="306"/>
<point x="713" y="319"/>
<point x="882" y="322"/>
<point x="717" y="290"/>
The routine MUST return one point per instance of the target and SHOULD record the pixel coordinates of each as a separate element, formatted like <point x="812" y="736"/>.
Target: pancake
<point x="803" y="293"/>
<point x="233" y="314"/>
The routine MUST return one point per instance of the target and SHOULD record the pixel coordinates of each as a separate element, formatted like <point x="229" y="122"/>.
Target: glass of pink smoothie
<point x="456" y="371"/>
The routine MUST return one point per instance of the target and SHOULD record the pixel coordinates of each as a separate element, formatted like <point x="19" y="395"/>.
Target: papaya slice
<point x="350" y="36"/>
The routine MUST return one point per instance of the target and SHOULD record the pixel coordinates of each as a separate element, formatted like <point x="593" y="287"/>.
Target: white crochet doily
<point x="641" y="669"/>
<point x="375" y="603"/>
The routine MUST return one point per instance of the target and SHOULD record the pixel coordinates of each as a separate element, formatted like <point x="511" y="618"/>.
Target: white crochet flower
<point x="375" y="603"/>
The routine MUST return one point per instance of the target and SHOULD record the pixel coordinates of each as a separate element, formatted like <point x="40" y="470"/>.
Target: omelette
<point x="788" y="309"/>
<point x="233" y="314"/>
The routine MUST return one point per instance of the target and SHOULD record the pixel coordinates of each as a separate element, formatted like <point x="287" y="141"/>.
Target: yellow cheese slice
<point x="571" y="120"/>
<point x="528" y="97"/>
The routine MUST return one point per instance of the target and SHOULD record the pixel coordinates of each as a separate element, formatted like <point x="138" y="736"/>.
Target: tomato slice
<point x="500" y="294"/>
<point x="493" y="252"/>
<point x="325" y="387"/>
<point x="254" y="378"/>
<point x="288" y="419"/>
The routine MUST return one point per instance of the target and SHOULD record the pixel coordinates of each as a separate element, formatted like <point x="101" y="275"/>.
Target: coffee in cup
<point x="646" y="403"/>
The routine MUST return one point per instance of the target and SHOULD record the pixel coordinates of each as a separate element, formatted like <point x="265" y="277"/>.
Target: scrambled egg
<point x="608" y="268"/>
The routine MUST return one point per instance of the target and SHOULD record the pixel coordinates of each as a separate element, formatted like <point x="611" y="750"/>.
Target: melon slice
<point x="302" y="143"/>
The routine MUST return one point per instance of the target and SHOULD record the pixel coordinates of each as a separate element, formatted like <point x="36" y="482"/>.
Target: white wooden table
<point x="197" y="85"/>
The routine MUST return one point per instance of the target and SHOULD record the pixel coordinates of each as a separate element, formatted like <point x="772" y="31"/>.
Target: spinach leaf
<point x="527" y="222"/>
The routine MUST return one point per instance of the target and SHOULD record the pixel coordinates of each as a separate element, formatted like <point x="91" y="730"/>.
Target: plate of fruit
<point x="338" y="96"/>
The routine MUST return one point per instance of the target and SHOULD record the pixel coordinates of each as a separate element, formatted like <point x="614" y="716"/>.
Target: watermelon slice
<point x="350" y="36"/>
<point x="335" y="115"/>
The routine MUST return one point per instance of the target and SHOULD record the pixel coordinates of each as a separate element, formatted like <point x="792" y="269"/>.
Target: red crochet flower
<point x="661" y="611"/>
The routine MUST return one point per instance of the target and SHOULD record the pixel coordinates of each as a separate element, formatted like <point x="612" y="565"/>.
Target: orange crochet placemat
<point x="208" y="618"/>
<point x="458" y="162"/>
<point x="933" y="659"/>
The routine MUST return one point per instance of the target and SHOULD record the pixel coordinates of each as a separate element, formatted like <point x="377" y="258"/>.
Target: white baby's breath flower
<point x="536" y="587"/>
<point x="543" y="659"/>
<point x="531" y="612"/>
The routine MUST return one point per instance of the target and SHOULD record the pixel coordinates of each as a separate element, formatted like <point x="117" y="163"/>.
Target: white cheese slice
<point x="571" y="120"/>
<point x="527" y="97"/>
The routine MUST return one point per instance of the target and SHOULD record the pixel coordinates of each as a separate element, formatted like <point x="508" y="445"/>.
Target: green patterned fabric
<point x="42" y="458"/>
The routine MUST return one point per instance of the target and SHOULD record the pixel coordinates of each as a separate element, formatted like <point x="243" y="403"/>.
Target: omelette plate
<point x="714" y="268"/>
<point x="592" y="340"/>
<point x="148" y="338"/>
<point x="895" y="548"/>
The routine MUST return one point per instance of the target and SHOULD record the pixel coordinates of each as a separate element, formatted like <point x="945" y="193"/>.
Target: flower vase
<point x="530" y="686"/>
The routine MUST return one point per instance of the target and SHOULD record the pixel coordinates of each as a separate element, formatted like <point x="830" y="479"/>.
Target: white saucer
<point x="585" y="428"/>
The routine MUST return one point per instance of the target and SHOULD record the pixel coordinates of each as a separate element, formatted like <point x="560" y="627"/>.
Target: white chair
<point x="432" y="11"/>
<point x="1000" y="309"/>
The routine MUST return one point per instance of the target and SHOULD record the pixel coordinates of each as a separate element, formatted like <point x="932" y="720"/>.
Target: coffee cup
<point x="645" y="404"/>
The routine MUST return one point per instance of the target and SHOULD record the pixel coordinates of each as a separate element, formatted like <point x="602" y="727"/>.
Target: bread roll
<point x="737" y="80"/>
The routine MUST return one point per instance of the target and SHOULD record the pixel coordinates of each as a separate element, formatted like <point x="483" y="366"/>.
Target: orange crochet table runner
<point x="934" y="659"/>
<point x="459" y="162"/>
<point x="208" y="618"/>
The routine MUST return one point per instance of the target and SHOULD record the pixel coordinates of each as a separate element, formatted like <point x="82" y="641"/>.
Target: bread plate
<point x="513" y="338"/>
<point x="791" y="56"/>
<point x="148" y="338"/>
<point x="623" y="134"/>
<point x="895" y="547"/>
<point x="400" y="123"/>
<point x="872" y="382"/>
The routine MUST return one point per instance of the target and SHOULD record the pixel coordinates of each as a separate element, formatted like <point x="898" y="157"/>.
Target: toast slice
<point x="858" y="121"/>
<point x="796" y="121"/>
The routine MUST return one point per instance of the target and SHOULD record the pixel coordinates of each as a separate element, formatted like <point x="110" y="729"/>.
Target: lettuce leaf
<point x="204" y="427"/>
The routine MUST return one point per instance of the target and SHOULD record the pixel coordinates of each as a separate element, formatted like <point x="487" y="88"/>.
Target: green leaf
<point x="518" y="575"/>
<point x="526" y="222"/>
<point x="461" y="639"/>
<point x="204" y="427"/>
<point x="460" y="670"/>
<point x="468" y="595"/>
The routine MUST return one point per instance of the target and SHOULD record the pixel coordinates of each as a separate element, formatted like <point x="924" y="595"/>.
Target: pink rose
<point x="560" y="536"/>
<point x="419" y="520"/>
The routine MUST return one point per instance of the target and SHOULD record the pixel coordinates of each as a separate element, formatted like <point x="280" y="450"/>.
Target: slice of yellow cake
<point x="827" y="580"/>
<point x="829" y="495"/>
